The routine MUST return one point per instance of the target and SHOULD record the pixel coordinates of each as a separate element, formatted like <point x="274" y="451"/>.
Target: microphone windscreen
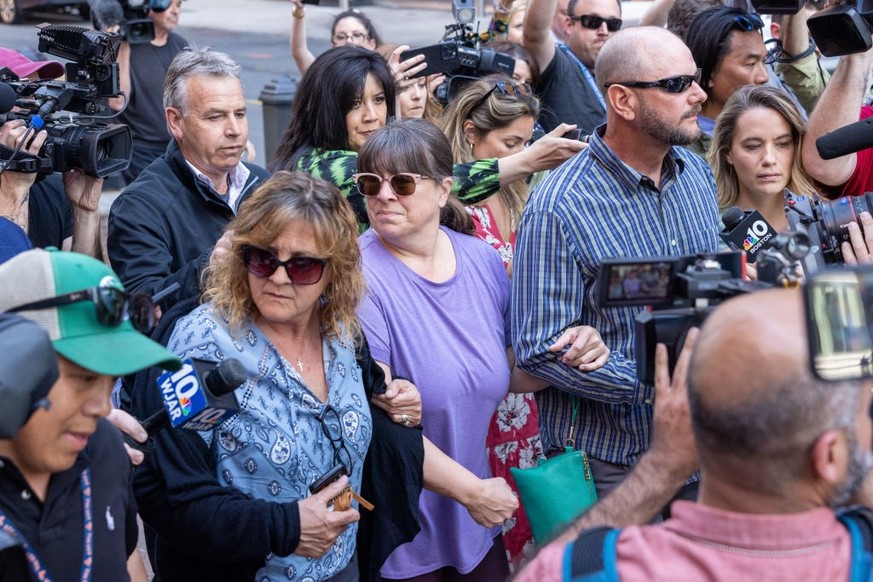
<point x="107" y="13"/>
<point x="732" y="217"/>
<point x="846" y="140"/>
<point x="226" y="377"/>
<point x="8" y="96"/>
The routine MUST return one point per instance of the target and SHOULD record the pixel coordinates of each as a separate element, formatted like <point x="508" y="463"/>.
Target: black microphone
<point x="746" y="231"/>
<point x="846" y="140"/>
<point x="195" y="405"/>
<point x="107" y="13"/>
<point x="8" y="96"/>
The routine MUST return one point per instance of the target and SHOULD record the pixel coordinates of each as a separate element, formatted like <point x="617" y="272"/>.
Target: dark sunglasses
<point x="402" y="184"/>
<point x="748" y="22"/>
<point x="678" y="84"/>
<point x="331" y="426"/>
<point x="592" y="22"/>
<point x="301" y="270"/>
<point x="112" y="306"/>
<point x="504" y="88"/>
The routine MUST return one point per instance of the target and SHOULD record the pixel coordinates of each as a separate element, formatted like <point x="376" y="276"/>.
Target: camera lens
<point x="835" y="217"/>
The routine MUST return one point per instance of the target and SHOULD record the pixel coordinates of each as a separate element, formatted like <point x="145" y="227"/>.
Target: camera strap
<point x="24" y="162"/>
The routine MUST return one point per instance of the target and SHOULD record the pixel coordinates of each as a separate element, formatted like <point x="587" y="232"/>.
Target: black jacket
<point x="162" y="227"/>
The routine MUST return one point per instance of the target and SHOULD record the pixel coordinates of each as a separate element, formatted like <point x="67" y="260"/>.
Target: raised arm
<point x="299" y="47"/>
<point x="840" y="105"/>
<point x="805" y="76"/>
<point x="84" y="194"/>
<point x="537" y="38"/>
<point x="656" y="14"/>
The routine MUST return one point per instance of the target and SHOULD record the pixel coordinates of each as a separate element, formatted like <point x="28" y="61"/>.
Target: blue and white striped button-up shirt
<point x="592" y="208"/>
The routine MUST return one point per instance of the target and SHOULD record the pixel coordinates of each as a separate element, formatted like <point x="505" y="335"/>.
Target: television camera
<point x="680" y="292"/>
<point x="70" y="111"/>
<point x="460" y="55"/>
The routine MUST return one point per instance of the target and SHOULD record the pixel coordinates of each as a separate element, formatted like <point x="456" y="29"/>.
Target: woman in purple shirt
<point x="436" y="311"/>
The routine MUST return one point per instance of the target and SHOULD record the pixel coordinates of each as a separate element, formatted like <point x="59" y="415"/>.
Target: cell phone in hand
<point x="328" y="478"/>
<point x="574" y="134"/>
<point x="310" y="1"/>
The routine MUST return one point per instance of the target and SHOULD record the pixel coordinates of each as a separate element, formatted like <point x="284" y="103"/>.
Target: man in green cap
<point x="65" y="476"/>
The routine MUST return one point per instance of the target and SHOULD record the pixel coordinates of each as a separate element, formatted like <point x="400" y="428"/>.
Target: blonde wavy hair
<point x="744" y="99"/>
<point x="496" y="112"/>
<point x="285" y="197"/>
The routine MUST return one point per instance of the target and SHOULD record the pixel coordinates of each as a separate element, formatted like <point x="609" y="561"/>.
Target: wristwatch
<point x="299" y="11"/>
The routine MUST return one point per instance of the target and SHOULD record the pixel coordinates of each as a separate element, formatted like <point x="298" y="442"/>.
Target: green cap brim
<point x="118" y="352"/>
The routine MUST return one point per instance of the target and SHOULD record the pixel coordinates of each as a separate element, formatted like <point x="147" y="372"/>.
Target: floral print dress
<point x="513" y="436"/>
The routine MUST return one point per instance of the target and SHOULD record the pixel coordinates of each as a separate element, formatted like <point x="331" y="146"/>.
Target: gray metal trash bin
<point x="277" y="97"/>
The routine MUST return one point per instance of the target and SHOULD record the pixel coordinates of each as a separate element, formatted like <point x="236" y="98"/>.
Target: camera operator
<point x="141" y="66"/>
<point x="59" y="210"/>
<point x="841" y="101"/>
<point x="778" y="451"/>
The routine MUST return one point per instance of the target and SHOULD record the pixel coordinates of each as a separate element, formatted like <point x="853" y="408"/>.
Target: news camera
<point x="130" y="17"/>
<point x="826" y="222"/>
<point x="69" y="111"/>
<point x="680" y="292"/>
<point x="459" y="55"/>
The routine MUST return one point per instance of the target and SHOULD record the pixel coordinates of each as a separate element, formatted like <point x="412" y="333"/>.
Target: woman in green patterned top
<point x="346" y="95"/>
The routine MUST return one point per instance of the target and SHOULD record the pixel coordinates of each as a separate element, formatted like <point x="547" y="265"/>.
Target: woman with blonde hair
<point x="755" y="153"/>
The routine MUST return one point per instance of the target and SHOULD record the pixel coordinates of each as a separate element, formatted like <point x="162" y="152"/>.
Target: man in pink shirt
<point x="777" y="450"/>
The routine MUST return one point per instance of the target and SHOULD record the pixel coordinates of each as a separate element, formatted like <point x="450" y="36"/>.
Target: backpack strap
<point x="591" y="557"/>
<point x="859" y="521"/>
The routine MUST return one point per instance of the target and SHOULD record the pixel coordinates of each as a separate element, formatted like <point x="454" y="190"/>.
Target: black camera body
<point x="459" y="55"/>
<point x="70" y="110"/>
<point x="680" y="293"/>
<point x="844" y="29"/>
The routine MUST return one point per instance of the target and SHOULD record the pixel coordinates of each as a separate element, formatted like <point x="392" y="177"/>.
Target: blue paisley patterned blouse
<point x="276" y="446"/>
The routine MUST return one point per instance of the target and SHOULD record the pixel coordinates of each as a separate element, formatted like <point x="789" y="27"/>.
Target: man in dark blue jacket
<point x="165" y="227"/>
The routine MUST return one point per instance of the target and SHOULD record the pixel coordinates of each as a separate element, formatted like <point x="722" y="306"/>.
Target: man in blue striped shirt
<point x="631" y="193"/>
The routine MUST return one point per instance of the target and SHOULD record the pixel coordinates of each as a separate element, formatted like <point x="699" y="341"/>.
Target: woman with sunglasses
<point x="346" y="95"/>
<point x="234" y="503"/>
<point x="728" y="47"/>
<point x="348" y="27"/>
<point x="436" y="312"/>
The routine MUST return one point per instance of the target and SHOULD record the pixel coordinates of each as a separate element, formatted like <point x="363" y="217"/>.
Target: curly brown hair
<point x="285" y="197"/>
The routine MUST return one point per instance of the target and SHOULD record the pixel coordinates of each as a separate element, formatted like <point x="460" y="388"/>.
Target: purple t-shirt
<point x="449" y="339"/>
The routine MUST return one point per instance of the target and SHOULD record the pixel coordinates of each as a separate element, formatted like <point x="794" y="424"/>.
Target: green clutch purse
<point x="557" y="491"/>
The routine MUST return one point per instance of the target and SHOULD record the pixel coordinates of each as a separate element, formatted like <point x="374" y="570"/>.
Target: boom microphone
<point x="746" y="231"/>
<point x="193" y="405"/>
<point x="846" y="140"/>
<point x="107" y="13"/>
